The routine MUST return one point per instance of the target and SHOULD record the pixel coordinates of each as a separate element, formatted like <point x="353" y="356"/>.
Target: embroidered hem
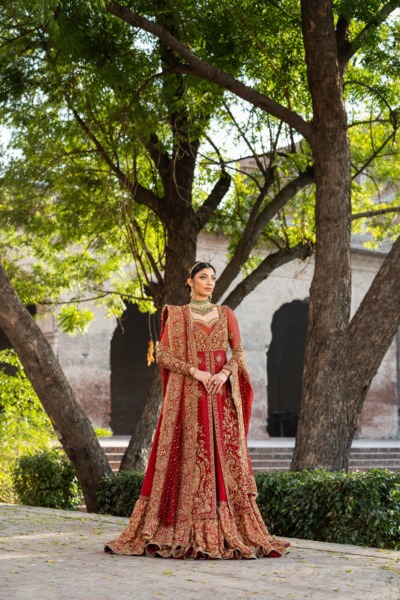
<point x="226" y="536"/>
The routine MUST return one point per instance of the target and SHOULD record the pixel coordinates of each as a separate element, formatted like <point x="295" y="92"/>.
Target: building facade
<point x="107" y="367"/>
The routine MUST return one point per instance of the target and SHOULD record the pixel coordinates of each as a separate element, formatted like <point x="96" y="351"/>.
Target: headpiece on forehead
<point x="198" y="266"/>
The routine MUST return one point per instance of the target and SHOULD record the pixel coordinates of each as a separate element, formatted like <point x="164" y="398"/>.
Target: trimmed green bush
<point x="347" y="508"/>
<point x="119" y="493"/>
<point x="47" y="479"/>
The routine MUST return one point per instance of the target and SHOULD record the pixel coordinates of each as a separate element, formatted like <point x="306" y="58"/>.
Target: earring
<point x="210" y="297"/>
<point x="191" y="294"/>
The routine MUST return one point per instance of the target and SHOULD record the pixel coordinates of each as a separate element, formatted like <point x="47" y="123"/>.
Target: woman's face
<point x="203" y="283"/>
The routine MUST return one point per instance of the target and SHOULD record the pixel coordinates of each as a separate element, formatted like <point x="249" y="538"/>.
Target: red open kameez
<point x="198" y="494"/>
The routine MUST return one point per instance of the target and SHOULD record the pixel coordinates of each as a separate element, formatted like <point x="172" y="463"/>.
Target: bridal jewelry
<point x="201" y="307"/>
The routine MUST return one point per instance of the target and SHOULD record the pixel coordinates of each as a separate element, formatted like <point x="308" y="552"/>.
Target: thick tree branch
<point x="146" y="197"/>
<point x="214" y="199"/>
<point x="375" y="213"/>
<point x="255" y="224"/>
<point x="160" y="159"/>
<point x="198" y="67"/>
<point x="346" y="51"/>
<point x="264" y="270"/>
<point x="342" y="33"/>
<point x="282" y="198"/>
<point x="364" y="327"/>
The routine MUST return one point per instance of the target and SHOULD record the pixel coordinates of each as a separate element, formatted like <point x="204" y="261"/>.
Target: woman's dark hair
<point x="199" y="266"/>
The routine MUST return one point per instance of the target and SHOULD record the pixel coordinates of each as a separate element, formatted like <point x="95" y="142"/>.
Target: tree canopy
<point x="101" y="116"/>
<point x="117" y="162"/>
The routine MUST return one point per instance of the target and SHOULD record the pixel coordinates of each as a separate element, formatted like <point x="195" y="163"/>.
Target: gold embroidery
<point x="225" y="536"/>
<point x="203" y="487"/>
<point x="196" y="428"/>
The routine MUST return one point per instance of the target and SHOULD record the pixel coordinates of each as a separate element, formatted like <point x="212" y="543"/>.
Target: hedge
<point x="347" y="508"/>
<point x="119" y="493"/>
<point x="47" y="479"/>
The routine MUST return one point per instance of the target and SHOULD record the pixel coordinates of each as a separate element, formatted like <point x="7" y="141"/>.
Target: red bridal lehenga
<point x="198" y="494"/>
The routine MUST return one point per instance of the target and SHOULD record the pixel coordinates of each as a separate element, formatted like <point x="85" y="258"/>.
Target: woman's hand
<point x="212" y="383"/>
<point x="203" y="376"/>
<point x="216" y="382"/>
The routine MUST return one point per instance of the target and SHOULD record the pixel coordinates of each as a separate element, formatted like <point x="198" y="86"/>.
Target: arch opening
<point x="130" y="376"/>
<point x="285" y="358"/>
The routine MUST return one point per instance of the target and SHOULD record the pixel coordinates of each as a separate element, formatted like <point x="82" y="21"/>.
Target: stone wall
<point x="86" y="359"/>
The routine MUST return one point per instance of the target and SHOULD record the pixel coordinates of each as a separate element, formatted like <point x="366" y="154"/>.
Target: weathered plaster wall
<point x="86" y="360"/>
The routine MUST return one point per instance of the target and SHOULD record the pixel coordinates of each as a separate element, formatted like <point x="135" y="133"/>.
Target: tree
<point x="332" y="396"/>
<point x="59" y="401"/>
<point x="132" y="150"/>
<point x="284" y="101"/>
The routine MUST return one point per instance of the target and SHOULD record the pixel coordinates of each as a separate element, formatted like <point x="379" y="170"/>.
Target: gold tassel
<point x="150" y="353"/>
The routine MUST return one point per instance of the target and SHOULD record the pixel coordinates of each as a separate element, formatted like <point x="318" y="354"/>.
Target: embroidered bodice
<point x="209" y="337"/>
<point x="214" y="337"/>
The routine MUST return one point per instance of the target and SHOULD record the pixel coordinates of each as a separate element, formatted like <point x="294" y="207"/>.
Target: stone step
<point x="271" y="463"/>
<point x="114" y="464"/>
<point x="375" y="463"/>
<point x="354" y="451"/>
<point x="267" y="455"/>
<point x="263" y="469"/>
<point x="275" y="458"/>
<point x="114" y="455"/>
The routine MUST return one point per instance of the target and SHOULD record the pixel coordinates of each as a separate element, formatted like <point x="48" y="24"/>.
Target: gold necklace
<point x="201" y="307"/>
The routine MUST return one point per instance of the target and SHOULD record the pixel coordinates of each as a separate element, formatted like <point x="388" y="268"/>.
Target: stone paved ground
<point x="50" y="554"/>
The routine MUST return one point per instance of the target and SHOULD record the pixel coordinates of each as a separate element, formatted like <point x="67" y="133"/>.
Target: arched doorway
<point x="285" y="359"/>
<point x="130" y="376"/>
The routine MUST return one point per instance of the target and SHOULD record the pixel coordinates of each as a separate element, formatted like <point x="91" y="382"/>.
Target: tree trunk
<point x="343" y="373"/>
<point x="59" y="401"/>
<point x="323" y="430"/>
<point x="340" y="358"/>
<point x="137" y="454"/>
<point x="180" y="256"/>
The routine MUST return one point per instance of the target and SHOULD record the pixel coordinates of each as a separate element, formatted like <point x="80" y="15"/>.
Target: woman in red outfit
<point x="198" y="494"/>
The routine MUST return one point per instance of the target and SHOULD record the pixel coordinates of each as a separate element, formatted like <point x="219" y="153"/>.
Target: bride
<point x="198" y="494"/>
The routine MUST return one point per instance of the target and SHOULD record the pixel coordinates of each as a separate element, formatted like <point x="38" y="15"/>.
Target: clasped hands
<point x="212" y="383"/>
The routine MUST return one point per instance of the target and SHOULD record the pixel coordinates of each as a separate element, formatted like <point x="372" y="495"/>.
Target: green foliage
<point x="82" y="229"/>
<point x="47" y="479"/>
<point x="119" y="493"/>
<point x="74" y="320"/>
<point x="345" y="508"/>
<point x="102" y="432"/>
<point x="24" y="426"/>
<point x="95" y="113"/>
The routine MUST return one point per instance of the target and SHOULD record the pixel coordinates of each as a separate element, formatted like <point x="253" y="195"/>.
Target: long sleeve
<point x="165" y="358"/>
<point x="235" y="343"/>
